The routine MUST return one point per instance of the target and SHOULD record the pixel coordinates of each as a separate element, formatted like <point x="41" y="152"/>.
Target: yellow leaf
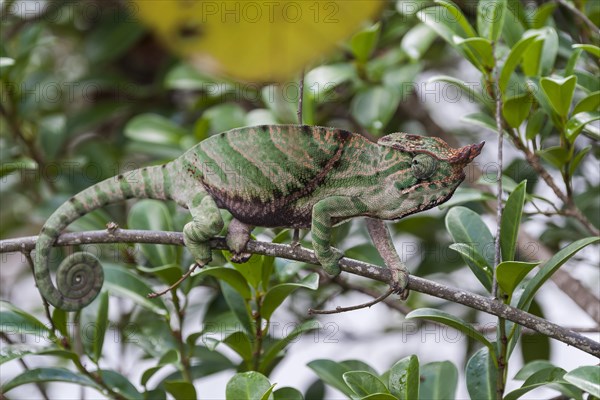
<point x="254" y="40"/>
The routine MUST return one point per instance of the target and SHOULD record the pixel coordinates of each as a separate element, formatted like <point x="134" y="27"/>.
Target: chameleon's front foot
<point x="330" y="260"/>
<point x="399" y="281"/>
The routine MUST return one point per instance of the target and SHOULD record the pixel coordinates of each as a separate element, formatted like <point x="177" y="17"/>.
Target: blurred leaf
<point x="364" y="383"/>
<point x="590" y="48"/>
<point x="15" y="321"/>
<point x="277" y="294"/>
<point x="287" y="393"/>
<point x="363" y="43"/>
<point x="404" y="378"/>
<point x="417" y="41"/>
<point x="541" y="15"/>
<point x="229" y="275"/>
<point x="490" y="18"/>
<point x="239" y="342"/>
<point x="534" y="124"/>
<point x="169" y="273"/>
<point x="237" y="304"/>
<point x="462" y="196"/>
<point x="181" y="390"/>
<point x="556" y="155"/>
<point x="531" y="368"/>
<point x="438" y="381"/>
<point x="482" y="120"/>
<point x="247" y="386"/>
<point x="511" y="221"/>
<point x="559" y="92"/>
<point x="49" y="375"/>
<point x="111" y="38"/>
<point x="120" y="281"/>
<point x="10" y="352"/>
<point x="332" y="373"/>
<point x="481" y="373"/>
<point x="153" y="128"/>
<point x="585" y="378"/>
<point x="224" y="117"/>
<point x="373" y="108"/>
<point x="588" y="104"/>
<point x="549" y="268"/>
<point x="274" y="349"/>
<point x="94" y="321"/>
<point x="316" y="391"/>
<point x="469" y="89"/>
<point x="478" y="51"/>
<point x="511" y="273"/>
<point x="185" y="77"/>
<point x="120" y="384"/>
<point x="516" y="109"/>
<point x="442" y="317"/>
<point x="320" y="81"/>
<point x="153" y="215"/>
<point x="576" y="124"/>
<point x="476" y="262"/>
<point x="458" y="16"/>
<point x="577" y="159"/>
<point x="534" y="346"/>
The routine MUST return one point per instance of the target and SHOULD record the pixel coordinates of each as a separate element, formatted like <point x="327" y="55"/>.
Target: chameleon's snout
<point x="468" y="153"/>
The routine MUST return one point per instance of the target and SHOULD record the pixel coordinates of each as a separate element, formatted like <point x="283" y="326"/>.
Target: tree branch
<point x="349" y="265"/>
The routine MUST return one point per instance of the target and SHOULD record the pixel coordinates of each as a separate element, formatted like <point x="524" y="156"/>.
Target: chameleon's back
<point x="258" y="173"/>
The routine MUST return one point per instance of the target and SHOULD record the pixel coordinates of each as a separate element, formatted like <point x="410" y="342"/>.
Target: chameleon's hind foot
<point x="330" y="261"/>
<point x="240" y="258"/>
<point x="399" y="282"/>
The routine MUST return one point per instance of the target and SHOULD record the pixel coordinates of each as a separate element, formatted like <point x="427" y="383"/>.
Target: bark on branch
<point x="478" y="302"/>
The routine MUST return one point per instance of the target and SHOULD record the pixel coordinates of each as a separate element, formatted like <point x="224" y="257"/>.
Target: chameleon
<point x="292" y="176"/>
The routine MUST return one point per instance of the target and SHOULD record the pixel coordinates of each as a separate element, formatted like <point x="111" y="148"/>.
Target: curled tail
<point x="79" y="277"/>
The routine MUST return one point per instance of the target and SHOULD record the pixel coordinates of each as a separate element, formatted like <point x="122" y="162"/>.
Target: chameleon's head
<point x="436" y="168"/>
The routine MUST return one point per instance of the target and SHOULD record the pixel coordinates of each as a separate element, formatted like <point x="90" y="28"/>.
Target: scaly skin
<point x="273" y="176"/>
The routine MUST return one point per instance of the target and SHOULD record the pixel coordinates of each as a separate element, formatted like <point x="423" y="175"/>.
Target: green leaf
<point x="466" y="88"/>
<point x="458" y="16"/>
<point x="578" y="158"/>
<point x="559" y="92"/>
<point x="17" y="351"/>
<point x="94" y="321"/>
<point x="490" y="18"/>
<point x="535" y="124"/>
<point x="476" y="262"/>
<point x="181" y="390"/>
<point x="239" y="307"/>
<point x="516" y="109"/>
<point x="251" y="270"/>
<point x="541" y="15"/>
<point x="438" y="381"/>
<point x="153" y="215"/>
<point x="374" y="107"/>
<point x="549" y="268"/>
<point x="169" y="273"/>
<point x="511" y="273"/>
<point x="531" y="368"/>
<point x="364" y="383"/>
<point x="363" y="43"/>
<point x="555" y="155"/>
<point x="155" y="129"/>
<point x="49" y="375"/>
<point x="332" y="373"/>
<point x="513" y="59"/>
<point x="277" y="294"/>
<point x="585" y="378"/>
<point x="445" y="318"/>
<point x="120" y="281"/>
<point x="590" y="48"/>
<point x="478" y="50"/>
<point x="287" y="393"/>
<point x="247" y="386"/>
<point x="233" y="277"/>
<point x="463" y="195"/>
<point x="481" y="373"/>
<point x="275" y="349"/>
<point x="15" y="321"/>
<point x="534" y="346"/>
<point x="588" y="104"/>
<point x="120" y="384"/>
<point x="6" y="62"/>
<point x="321" y="81"/>
<point x="240" y="343"/>
<point x="404" y="378"/>
<point x="542" y="378"/>
<point x="379" y="396"/>
<point x="511" y="221"/>
<point x="577" y="122"/>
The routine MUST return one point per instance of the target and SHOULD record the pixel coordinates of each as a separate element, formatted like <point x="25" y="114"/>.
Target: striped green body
<point x="273" y="176"/>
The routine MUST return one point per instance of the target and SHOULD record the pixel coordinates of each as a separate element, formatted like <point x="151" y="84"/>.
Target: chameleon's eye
<point x="423" y="166"/>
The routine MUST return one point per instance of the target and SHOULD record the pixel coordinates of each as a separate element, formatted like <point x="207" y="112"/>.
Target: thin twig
<point x="580" y="15"/>
<point x="296" y="232"/>
<point x="173" y="286"/>
<point x="338" y="309"/>
<point x="349" y="265"/>
<point x="27" y="255"/>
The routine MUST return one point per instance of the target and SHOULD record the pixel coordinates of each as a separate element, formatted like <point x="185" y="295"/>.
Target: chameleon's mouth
<point x="468" y="153"/>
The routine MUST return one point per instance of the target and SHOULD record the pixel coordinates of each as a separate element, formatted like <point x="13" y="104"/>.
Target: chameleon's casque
<point x="273" y="176"/>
